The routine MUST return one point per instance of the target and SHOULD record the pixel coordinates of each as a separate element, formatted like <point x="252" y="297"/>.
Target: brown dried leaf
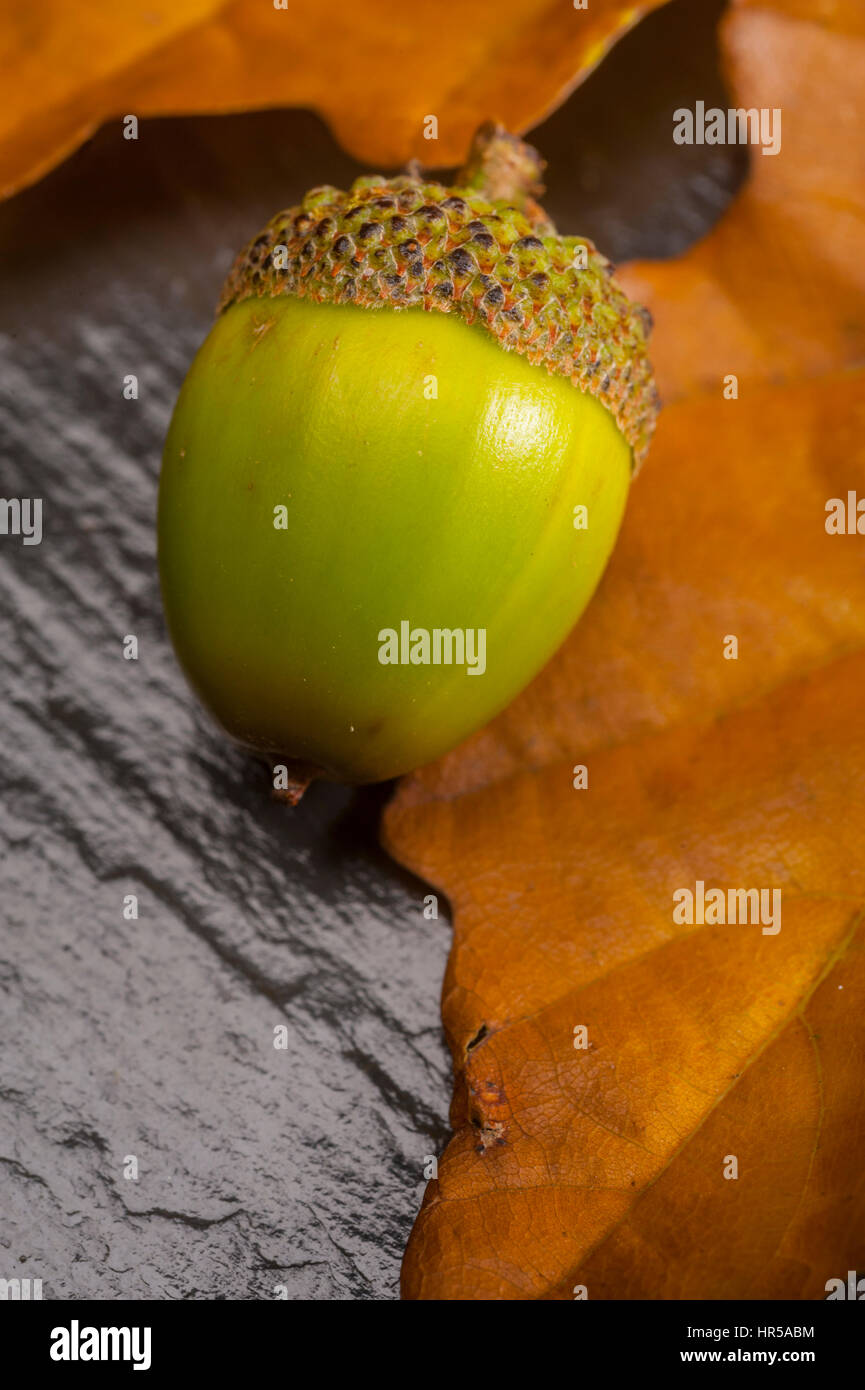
<point x="373" y="71"/>
<point x="604" y="1167"/>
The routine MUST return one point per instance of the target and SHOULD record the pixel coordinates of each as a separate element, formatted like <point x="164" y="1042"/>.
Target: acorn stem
<point x="501" y="167"/>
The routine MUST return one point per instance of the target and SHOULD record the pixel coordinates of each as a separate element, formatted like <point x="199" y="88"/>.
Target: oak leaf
<point x="375" y="72"/>
<point x="608" y="1165"/>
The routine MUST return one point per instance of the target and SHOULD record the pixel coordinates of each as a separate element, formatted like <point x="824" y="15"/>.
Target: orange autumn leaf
<point x="375" y="72"/>
<point x="57" y="63"/>
<point x="778" y="288"/>
<point x="603" y="1166"/>
<point x="564" y="920"/>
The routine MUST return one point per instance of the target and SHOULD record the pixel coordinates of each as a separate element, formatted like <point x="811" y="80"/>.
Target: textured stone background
<point x="154" y="1037"/>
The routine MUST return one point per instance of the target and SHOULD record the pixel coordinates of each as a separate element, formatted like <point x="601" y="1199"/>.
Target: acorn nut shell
<point x="397" y="466"/>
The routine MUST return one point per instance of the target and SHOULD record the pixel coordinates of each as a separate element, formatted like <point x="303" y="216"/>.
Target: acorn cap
<point x="484" y="250"/>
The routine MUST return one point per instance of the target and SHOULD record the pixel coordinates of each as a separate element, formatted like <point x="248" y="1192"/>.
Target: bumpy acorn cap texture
<point x="483" y="250"/>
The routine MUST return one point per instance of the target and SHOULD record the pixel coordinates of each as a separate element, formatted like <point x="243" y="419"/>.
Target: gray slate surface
<point x="154" y="1038"/>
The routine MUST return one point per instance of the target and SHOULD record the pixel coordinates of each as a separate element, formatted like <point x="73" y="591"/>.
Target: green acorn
<point x="397" y="466"/>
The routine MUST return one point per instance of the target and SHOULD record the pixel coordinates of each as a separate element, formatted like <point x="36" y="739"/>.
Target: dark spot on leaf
<point x="479" y="1036"/>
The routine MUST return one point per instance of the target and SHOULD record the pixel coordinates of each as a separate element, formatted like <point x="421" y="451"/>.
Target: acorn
<point x="397" y="466"/>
